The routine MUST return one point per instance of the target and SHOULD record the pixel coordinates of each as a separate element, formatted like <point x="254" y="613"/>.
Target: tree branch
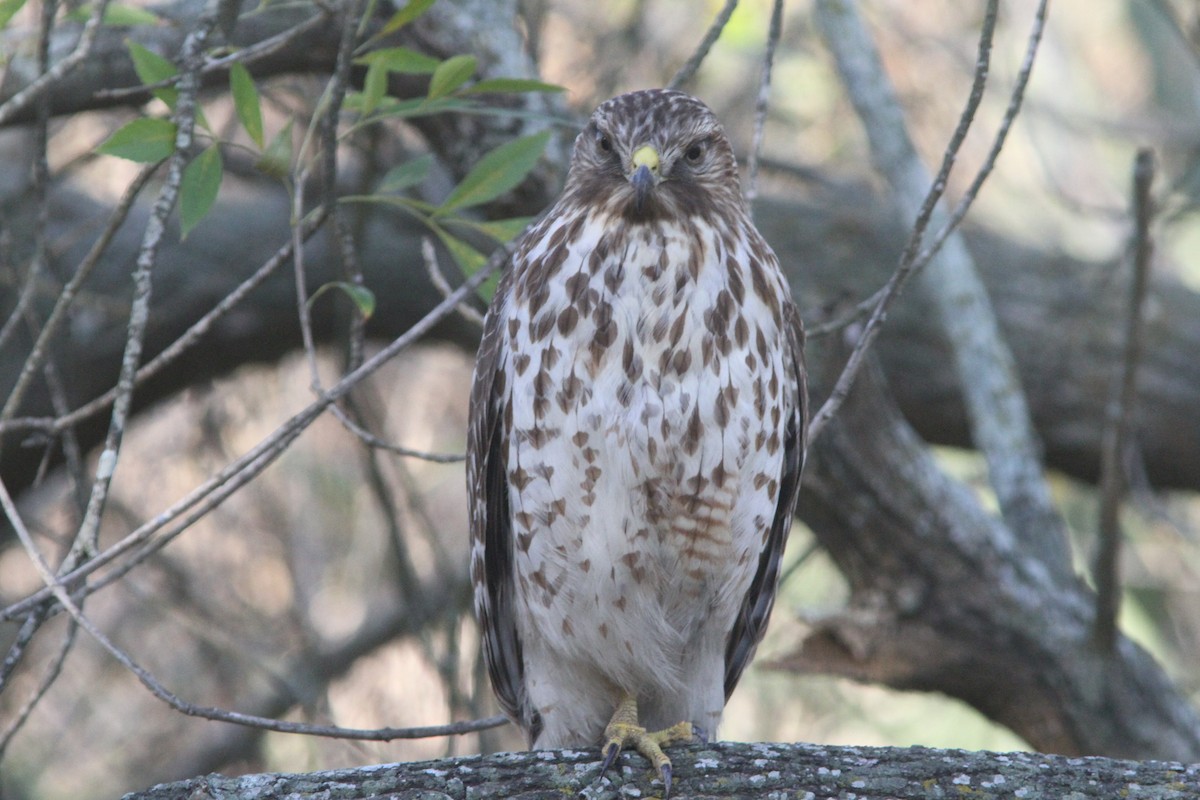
<point x="999" y="416"/>
<point x="723" y="770"/>
<point x="1118" y="423"/>
<point x="943" y="598"/>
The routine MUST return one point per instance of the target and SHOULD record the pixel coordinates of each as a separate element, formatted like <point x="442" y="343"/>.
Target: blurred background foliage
<point x="289" y="572"/>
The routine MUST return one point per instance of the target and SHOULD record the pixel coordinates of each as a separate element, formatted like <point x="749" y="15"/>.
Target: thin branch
<point x="869" y="73"/>
<point x="388" y="506"/>
<point x="438" y="279"/>
<point x="20" y="643"/>
<point x="996" y="406"/>
<point x="343" y="240"/>
<point x="763" y="102"/>
<point x="377" y="443"/>
<point x="40" y="179"/>
<point x="1118" y="423"/>
<point x="139" y="313"/>
<point x="82" y="50"/>
<point x="1016" y="98"/>
<point x="863" y="307"/>
<point x="59" y="591"/>
<point x="245" y="56"/>
<point x="185" y="341"/>
<point x="308" y="341"/>
<point x="53" y="670"/>
<point x="236" y="474"/>
<point x="68" y="294"/>
<point x="689" y="68"/>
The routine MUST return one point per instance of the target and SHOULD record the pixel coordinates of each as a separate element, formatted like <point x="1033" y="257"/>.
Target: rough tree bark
<point x="723" y="770"/>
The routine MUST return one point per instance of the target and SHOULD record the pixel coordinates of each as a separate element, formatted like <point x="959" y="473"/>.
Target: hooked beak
<point x="644" y="175"/>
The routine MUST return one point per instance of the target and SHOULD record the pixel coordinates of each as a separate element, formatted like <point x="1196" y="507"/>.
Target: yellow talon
<point x="623" y="730"/>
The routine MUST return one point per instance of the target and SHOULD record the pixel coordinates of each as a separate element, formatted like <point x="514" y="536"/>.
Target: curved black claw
<point x="700" y="734"/>
<point x="610" y="755"/>
<point x="665" y="771"/>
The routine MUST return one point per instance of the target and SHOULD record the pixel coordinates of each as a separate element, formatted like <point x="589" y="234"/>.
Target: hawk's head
<point x="654" y="153"/>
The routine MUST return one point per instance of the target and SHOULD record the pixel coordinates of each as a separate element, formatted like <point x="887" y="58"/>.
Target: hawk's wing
<point x="751" y="622"/>
<point x="491" y="522"/>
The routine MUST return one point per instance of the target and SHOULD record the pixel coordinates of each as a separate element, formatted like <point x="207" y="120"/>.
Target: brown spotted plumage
<point x="637" y="436"/>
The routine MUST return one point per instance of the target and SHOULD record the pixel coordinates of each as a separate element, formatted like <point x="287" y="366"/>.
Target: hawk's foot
<point x="623" y="731"/>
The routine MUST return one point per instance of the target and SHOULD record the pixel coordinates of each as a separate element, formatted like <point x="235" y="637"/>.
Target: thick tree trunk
<point x="726" y="769"/>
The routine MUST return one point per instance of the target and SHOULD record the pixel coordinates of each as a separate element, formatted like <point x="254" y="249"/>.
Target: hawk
<point x="637" y="433"/>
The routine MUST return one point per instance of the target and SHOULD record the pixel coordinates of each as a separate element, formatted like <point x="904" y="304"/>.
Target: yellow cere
<point x="646" y="156"/>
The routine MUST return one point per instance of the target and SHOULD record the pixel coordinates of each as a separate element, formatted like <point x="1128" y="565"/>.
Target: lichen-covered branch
<point x="727" y="769"/>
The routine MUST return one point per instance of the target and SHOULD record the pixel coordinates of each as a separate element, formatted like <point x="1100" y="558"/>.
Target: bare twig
<point x="175" y="519"/>
<point x="763" y="102"/>
<point x="438" y="279"/>
<point x="53" y="670"/>
<point x="299" y="182"/>
<point x="59" y="591"/>
<point x="875" y="96"/>
<point x="996" y="407"/>
<point x="246" y="55"/>
<point x="67" y="297"/>
<point x="82" y="50"/>
<point x="378" y="443"/>
<point x="41" y="179"/>
<point x="689" y="68"/>
<point x="1010" y="114"/>
<point x="139" y="313"/>
<point x="1118" y="422"/>
<point x="185" y="341"/>
<point x="19" y="644"/>
<point x="864" y="307"/>
<point x="343" y="240"/>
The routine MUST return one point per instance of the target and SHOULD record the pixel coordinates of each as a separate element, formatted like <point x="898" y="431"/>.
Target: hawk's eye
<point x="694" y="152"/>
<point x="604" y="142"/>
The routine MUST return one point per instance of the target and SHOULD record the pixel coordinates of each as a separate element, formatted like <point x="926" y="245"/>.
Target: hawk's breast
<point x="646" y="383"/>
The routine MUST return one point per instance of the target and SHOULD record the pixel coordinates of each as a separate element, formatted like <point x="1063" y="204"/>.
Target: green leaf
<point x="409" y="109"/>
<point x="382" y="62"/>
<point x="451" y="74"/>
<point x="374" y="87"/>
<point x="469" y="259"/>
<point x="198" y="189"/>
<point x="400" y="59"/>
<point x="513" y="85"/>
<point x="276" y="160"/>
<point x="245" y="100"/>
<point x="362" y="297"/>
<point x="128" y="16"/>
<point x="497" y="172"/>
<point x="145" y="140"/>
<point x="410" y="173"/>
<point x="502" y="230"/>
<point x="152" y="68"/>
<point x="487" y="290"/>
<point x="418" y="208"/>
<point x="116" y="14"/>
<point x="414" y="9"/>
<point x="8" y="9"/>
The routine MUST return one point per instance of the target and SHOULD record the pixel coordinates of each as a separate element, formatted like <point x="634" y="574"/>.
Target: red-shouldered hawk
<point x="637" y="435"/>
